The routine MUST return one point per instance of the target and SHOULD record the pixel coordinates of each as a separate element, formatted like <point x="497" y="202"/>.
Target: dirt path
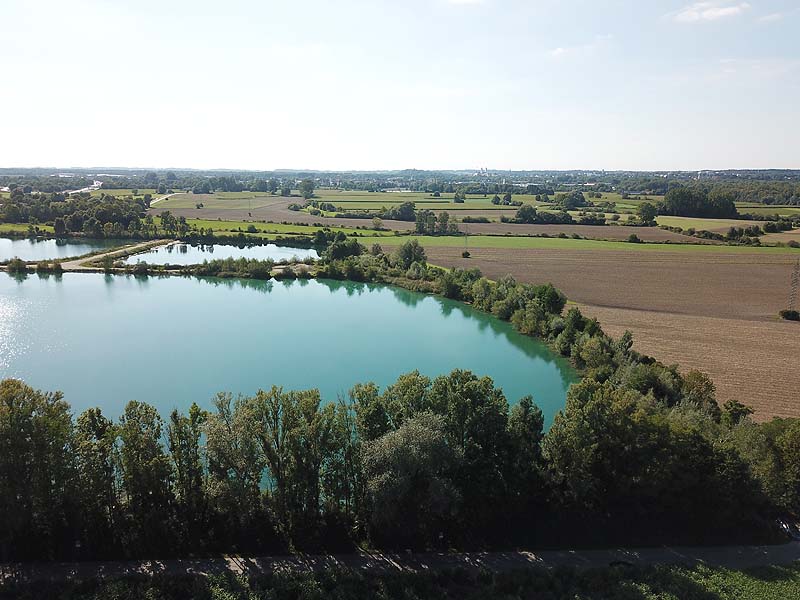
<point x="79" y="264"/>
<point x="734" y="557"/>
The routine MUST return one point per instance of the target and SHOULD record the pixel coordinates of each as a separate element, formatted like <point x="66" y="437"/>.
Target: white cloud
<point x="770" y="18"/>
<point x="703" y="12"/>
<point x="583" y="49"/>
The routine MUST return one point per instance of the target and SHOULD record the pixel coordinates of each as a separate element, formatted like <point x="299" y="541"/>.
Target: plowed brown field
<point x="716" y="313"/>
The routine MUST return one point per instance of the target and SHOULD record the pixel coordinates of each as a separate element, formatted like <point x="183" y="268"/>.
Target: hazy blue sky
<point x="344" y="84"/>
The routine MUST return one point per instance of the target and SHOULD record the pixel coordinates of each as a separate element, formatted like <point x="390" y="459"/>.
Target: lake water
<point x="170" y="341"/>
<point x="31" y="249"/>
<point x="186" y="254"/>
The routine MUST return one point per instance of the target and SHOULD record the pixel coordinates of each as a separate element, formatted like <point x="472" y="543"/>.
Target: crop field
<point x="678" y="304"/>
<point x="520" y="243"/>
<point x="761" y="209"/>
<point x="700" y="224"/>
<point x="219" y="201"/>
<point x="280" y="228"/>
<point x="784" y="237"/>
<point x="264" y="208"/>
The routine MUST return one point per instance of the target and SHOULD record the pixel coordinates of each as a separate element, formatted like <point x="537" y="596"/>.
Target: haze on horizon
<point x="428" y="84"/>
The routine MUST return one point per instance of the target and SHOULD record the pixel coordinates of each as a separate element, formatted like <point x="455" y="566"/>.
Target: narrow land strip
<point x="732" y="557"/>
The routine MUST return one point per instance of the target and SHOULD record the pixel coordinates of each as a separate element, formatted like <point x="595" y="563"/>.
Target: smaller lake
<point x="32" y="249"/>
<point x="187" y="254"/>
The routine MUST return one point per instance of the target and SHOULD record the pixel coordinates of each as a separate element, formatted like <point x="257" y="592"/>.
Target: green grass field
<point x="703" y="224"/>
<point x="280" y="228"/>
<point x="760" y="209"/>
<point x="518" y="242"/>
<point x="6" y="227"/>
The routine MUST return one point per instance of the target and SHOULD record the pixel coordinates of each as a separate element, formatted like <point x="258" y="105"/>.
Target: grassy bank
<point x="612" y="583"/>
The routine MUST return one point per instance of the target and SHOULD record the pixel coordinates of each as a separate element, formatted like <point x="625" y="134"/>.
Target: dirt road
<point x="80" y="264"/>
<point x="734" y="557"/>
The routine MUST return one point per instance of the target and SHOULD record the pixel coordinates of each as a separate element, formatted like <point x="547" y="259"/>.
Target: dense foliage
<point x="693" y="202"/>
<point x="103" y="216"/>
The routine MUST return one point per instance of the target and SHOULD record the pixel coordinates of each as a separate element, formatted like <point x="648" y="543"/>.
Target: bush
<point x="465" y="254"/>
<point x="790" y="315"/>
<point x="17" y="265"/>
<point x="634" y="239"/>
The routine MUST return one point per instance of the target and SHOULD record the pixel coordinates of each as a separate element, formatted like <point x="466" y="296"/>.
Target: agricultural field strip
<point x="499" y="241"/>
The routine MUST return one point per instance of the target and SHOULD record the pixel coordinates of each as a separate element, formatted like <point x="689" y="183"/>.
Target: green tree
<point x="146" y="478"/>
<point x="525" y="214"/>
<point x="183" y="435"/>
<point x="410" y="252"/>
<point x="307" y="188"/>
<point x="647" y="212"/>
<point x="98" y="493"/>
<point x="37" y="473"/>
<point x="409" y="482"/>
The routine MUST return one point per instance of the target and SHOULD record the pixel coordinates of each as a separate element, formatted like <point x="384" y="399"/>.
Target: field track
<point x="716" y="313"/>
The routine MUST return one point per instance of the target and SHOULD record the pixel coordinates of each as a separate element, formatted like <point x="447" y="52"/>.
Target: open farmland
<point x="700" y="224"/>
<point x="279" y="228"/>
<point x="249" y="206"/>
<point x="713" y="310"/>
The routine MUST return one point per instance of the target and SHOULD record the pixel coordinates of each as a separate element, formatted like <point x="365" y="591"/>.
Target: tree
<point x="377" y="223"/>
<point x="98" y="494"/>
<point x="235" y="463"/>
<point x="647" y="212"/>
<point x="37" y="474"/>
<point x="307" y="188"/>
<point x="409" y="482"/>
<point x="146" y="477"/>
<point x="699" y="389"/>
<point x="410" y="252"/>
<point x="183" y="435"/>
<point x="59" y="226"/>
<point x="734" y="412"/>
<point x="525" y="214"/>
<point x="442" y="224"/>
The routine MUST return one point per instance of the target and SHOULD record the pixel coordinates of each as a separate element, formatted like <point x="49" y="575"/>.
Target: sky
<point x="426" y="84"/>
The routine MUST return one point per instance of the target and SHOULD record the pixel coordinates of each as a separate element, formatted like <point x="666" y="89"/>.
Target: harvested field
<point x="783" y="237"/>
<point x="755" y="362"/>
<point x="594" y="232"/>
<point x="266" y="208"/>
<point x="700" y="224"/>
<point x="715" y="312"/>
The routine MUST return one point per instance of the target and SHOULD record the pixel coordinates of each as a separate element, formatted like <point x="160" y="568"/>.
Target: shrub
<point x="790" y="315"/>
<point x="17" y="265"/>
<point x="465" y="254"/>
<point x="634" y="239"/>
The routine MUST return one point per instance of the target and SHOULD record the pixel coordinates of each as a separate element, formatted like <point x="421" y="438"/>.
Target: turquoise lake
<point x="31" y="249"/>
<point x="188" y="254"/>
<point x="104" y="340"/>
